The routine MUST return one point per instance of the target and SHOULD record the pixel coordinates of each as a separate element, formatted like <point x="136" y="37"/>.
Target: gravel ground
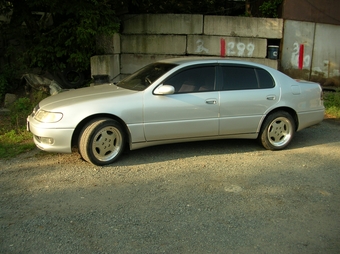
<point x="205" y="197"/>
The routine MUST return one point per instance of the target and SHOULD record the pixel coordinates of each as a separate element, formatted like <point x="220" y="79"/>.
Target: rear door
<point x="246" y="94"/>
<point x="192" y="111"/>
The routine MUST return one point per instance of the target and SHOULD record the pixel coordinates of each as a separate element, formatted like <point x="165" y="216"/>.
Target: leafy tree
<point x="57" y="33"/>
<point x="270" y="8"/>
<point x="211" y="7"/>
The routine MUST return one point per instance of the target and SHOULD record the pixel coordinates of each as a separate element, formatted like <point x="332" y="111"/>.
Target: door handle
<point x="271" y="97"/>
<point x="211" y="101"/>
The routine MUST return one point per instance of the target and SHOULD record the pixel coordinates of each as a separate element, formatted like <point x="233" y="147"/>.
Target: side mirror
<point x="164" y="89"/>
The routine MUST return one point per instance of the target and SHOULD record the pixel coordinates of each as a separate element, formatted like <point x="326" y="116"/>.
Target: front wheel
<point x="277" y="131"/>
<point x="101" y="141"/>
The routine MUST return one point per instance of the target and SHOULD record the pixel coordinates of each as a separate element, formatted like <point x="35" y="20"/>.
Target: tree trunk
<point x="248" y="9"/>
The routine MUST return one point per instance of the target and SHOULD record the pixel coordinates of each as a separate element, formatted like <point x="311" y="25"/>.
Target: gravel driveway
<point x="206" y="197"/>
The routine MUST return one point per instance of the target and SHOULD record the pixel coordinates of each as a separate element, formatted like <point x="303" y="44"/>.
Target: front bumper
<point x="50" y="139"/>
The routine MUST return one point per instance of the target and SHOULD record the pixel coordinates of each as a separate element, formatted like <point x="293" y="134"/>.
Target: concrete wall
<point x="163" y="24"/>
<point x="243" y="27"/>
<point x="147" y="38"/>
<point x="154" y="44"/>
<point x="311" y="51"/>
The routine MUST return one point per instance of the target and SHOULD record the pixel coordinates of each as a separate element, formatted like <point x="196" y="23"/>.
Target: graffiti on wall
<point x="240" y="49"/>
<point x="298" y="58"/>
<point x="228" y="49"/>
<point x="200" y="47"/>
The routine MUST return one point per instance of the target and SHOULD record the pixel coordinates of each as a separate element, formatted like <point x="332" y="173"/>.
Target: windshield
<point x="141" y="79"/>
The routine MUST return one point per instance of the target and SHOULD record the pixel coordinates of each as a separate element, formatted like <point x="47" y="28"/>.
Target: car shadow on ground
<point x="312" y="136"/>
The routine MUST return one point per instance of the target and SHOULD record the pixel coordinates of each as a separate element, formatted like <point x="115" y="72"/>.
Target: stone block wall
<point x="150" y="37"/>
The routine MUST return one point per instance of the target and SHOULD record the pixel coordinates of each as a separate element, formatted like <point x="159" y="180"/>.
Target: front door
<point x="192" y="111"/>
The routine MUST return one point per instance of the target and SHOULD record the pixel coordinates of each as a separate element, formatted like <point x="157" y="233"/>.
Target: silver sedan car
<point x="177" y="100"/>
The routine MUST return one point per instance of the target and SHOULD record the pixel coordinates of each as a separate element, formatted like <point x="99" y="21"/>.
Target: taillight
<point x="321" y="93"/>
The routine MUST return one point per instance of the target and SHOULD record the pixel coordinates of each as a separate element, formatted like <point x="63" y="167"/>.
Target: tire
<point x="277" y="131"/>
<point x="101" y="141"/>
<point x="69" y="78"/>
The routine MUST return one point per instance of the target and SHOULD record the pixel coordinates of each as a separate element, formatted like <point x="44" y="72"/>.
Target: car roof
<point x="202" y="60"/>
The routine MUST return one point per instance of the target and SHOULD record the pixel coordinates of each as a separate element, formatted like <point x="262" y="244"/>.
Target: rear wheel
<point x="277" y="130"/>
<point x="101" y="141"/>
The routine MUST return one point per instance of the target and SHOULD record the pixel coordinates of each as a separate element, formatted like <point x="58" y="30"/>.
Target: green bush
<point x="269" y="9"/>
<point x="3" y="85"/>
<point x="19" y="111"/>
<point x="332" y="103"/>
<point x="14" y="139"/>
<point x="7" y="74"/>
<point x="15" y="142"/>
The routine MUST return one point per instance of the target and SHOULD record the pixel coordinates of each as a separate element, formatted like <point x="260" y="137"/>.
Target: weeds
<point x="14" y="139"/>
<point x="332" y="104"/>
<point x="14" y="142"/>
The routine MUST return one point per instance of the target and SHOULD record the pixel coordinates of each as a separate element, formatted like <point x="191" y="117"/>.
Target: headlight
<point x="35" y="110"/>
<point x="48" y="117"/>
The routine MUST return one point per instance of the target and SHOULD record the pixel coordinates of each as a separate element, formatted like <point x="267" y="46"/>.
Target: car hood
<point x="84" y="94"/>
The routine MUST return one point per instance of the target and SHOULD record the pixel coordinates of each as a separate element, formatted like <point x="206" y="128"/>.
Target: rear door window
<point x="264" y="78"/>
<point x="244" y="78"/>
<point x="238" y="78"/>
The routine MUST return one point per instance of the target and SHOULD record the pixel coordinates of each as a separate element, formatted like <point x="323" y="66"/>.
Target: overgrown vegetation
<point x="269" y="9"/>
<point x="207" y="7"/>
<point x="6" y="73"/>
<point x="332" y="104"/>
<point x="14" y="139"/>
<point x="3" y="85"/>
<point x="58" y="33"/>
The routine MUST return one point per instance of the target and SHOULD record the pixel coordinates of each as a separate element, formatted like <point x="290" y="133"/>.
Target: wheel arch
<point x="289" y="110"/>
<point x="80" y="126"/>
